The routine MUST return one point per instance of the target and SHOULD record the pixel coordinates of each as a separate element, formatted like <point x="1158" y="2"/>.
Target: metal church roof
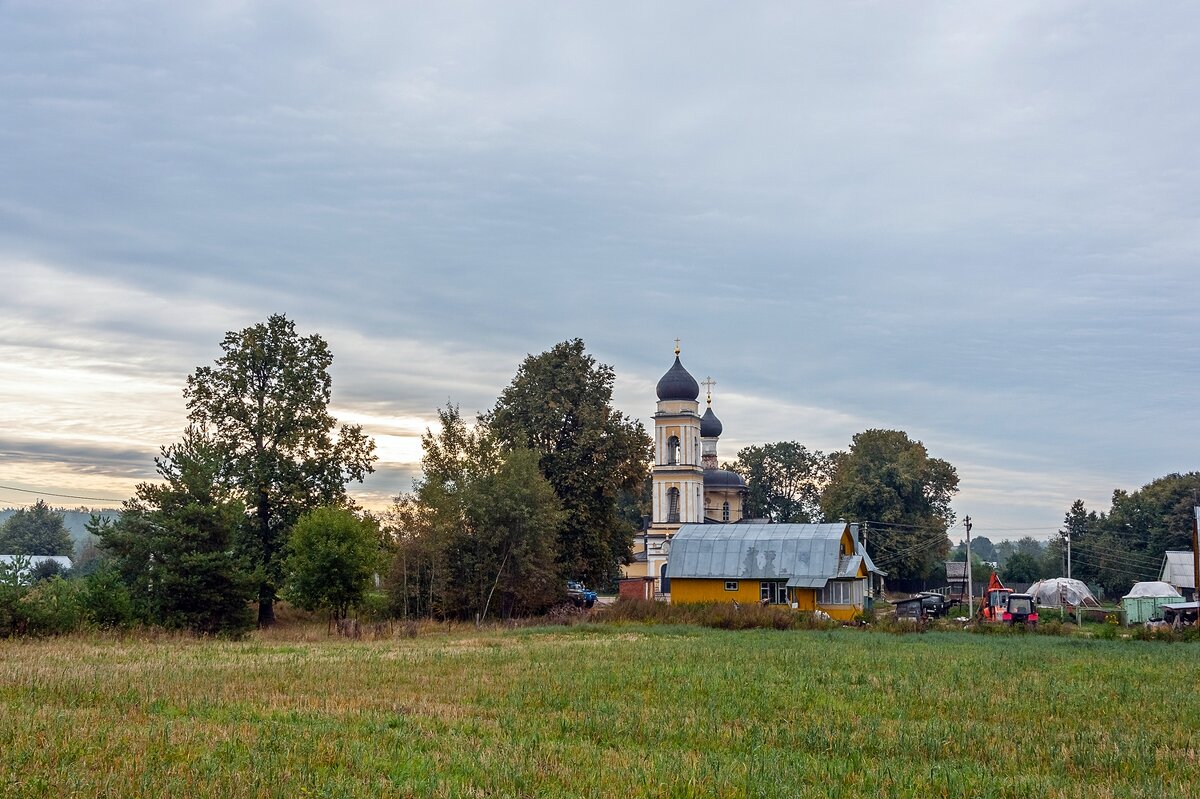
<point x="677" y="384"/>
<point x="759" y="551"/>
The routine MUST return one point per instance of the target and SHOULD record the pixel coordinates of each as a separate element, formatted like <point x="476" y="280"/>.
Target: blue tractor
<point x="580" y="597"/>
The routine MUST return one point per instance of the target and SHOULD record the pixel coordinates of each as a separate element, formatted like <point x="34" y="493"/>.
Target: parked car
<point x="580" y="596"/>
<point x="935" y="605"/>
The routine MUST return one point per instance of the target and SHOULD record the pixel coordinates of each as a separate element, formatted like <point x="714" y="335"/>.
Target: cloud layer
<point x="974" y="224"/>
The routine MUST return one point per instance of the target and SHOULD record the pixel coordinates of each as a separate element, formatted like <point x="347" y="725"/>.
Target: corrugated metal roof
<point x="756" y="551"/>
<point x="1178" y="570"/>
<point x="871" y="567"/>
<point x="807" y="582"/>
<point x="848" y="567"/>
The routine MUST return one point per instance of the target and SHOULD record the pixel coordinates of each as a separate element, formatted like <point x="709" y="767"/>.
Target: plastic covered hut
<point x="1058" y="592"/>
<point x="1145" y="601"/>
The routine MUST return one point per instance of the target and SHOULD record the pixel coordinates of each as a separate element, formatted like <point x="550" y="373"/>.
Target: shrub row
<point x="56" y="606"/>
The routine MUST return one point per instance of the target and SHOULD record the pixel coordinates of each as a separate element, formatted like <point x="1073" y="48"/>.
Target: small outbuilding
<point x="956" y="577"/>
<point x="1180" y="614"/>
<point x="1179" y="570"/>
<point x="1145" y="601"/>
<point x="807" y="566"/>
<point x="911" y="609"/>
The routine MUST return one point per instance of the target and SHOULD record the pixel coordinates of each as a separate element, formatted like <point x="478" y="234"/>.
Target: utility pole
<point x="1068" y="553"/>
<point x="870" y="576"/>
<point x="1196" y="554"/>
<point x="970" y="586"/>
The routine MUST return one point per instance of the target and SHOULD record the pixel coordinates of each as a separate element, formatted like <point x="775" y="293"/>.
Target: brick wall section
<point x="636" y="588"/>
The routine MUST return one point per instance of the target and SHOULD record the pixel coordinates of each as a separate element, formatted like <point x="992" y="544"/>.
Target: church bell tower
<point x="678" y="477"/>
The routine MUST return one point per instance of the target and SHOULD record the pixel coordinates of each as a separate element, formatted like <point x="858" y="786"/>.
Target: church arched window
<point x="672" y="506"/>
<point x="672" y="450"/>
<point x="725" y="512"/>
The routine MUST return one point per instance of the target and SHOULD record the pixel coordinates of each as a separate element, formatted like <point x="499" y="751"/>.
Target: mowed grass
<point x="601" y="711"/>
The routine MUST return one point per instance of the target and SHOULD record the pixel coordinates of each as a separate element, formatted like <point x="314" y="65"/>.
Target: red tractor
<point x="1001" y="605"/>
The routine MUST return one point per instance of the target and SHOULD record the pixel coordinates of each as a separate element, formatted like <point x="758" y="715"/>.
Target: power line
<point x="1119" y="559"/>
<point x="1019" y="529"/>
<point x="909" y="526"/>
<point x="64" y="496"/>
<point x="1091" y="547"/>
<point x="1126" y="571"/>
<point x="897" y="554"/>
<point x="1030" y="532"/>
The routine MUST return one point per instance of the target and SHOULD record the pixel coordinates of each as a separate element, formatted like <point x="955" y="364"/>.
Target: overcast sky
<point x="973" y="222"/>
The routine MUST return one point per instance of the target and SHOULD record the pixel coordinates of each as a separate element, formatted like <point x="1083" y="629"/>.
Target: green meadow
<point x="600" y="710"/>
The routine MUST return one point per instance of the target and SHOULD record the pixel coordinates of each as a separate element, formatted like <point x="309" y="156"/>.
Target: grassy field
<point x="600" y="711"/>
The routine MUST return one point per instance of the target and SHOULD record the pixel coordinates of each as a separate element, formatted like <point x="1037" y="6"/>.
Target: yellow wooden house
<point x="806" y="566"/>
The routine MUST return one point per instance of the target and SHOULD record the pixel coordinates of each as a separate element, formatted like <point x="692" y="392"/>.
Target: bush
<point x="106" y="599"/>
<point x="10" y="614"/>
<point x="1053" y="627"/>
<point x="718" y="615"/>
<point x="51" y="607"/>
<point x="46" y="570"/>
<point x="375" y="606"/>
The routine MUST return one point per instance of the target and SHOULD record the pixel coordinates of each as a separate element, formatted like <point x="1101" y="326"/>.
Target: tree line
<point x="251" y="503"/>
<point x="1115" y="548"/>
<point x="549" y="484"/>
<point x="884" y="479"/>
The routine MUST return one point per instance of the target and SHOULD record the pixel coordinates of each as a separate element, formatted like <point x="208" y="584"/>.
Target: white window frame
<point x="841" y="592"/>
<point x="775" y="593"/>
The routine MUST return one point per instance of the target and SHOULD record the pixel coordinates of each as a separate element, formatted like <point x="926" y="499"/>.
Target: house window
<point x="672" y="505"/>
<point x="731" y="585"/>
<point x="672" y="450"/>
<point x="838" y="592"/>
<point x="725" y="512"/>
<point x="773" y="593"/>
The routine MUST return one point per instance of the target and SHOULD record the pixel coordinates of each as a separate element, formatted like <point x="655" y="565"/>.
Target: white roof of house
<point x="36" y="560"/>
<point x="1177" y="569"/>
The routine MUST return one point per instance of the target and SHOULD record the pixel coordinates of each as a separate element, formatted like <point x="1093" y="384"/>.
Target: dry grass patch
<point x="597" y="711"/>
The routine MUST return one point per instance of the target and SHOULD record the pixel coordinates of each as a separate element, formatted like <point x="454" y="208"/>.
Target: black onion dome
<point x="710" y="425"/>
<point x="721" y="478"/>
<point x="677" y="384"/>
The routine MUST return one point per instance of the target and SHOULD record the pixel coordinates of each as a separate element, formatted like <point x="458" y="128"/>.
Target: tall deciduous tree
<point x="1022" y="567"/>
<point x="784" y="480"/>
<point x="560" y="406"/>
<point x="480" y="535"/>
<point x="38" y="530"/>
<point x="267" y="402"/>
<point x="174" y="542"/>
<point x="332" y="556"/>
<point x="889" y="479"/>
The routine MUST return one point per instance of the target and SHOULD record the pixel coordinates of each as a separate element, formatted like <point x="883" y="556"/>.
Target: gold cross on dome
<point x="676" y="346"/>
<point x="708" y="383"/>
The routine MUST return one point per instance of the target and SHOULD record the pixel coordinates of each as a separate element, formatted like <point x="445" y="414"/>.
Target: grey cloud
<point x="83" y="458"/>
<point x="973" y="222"/>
